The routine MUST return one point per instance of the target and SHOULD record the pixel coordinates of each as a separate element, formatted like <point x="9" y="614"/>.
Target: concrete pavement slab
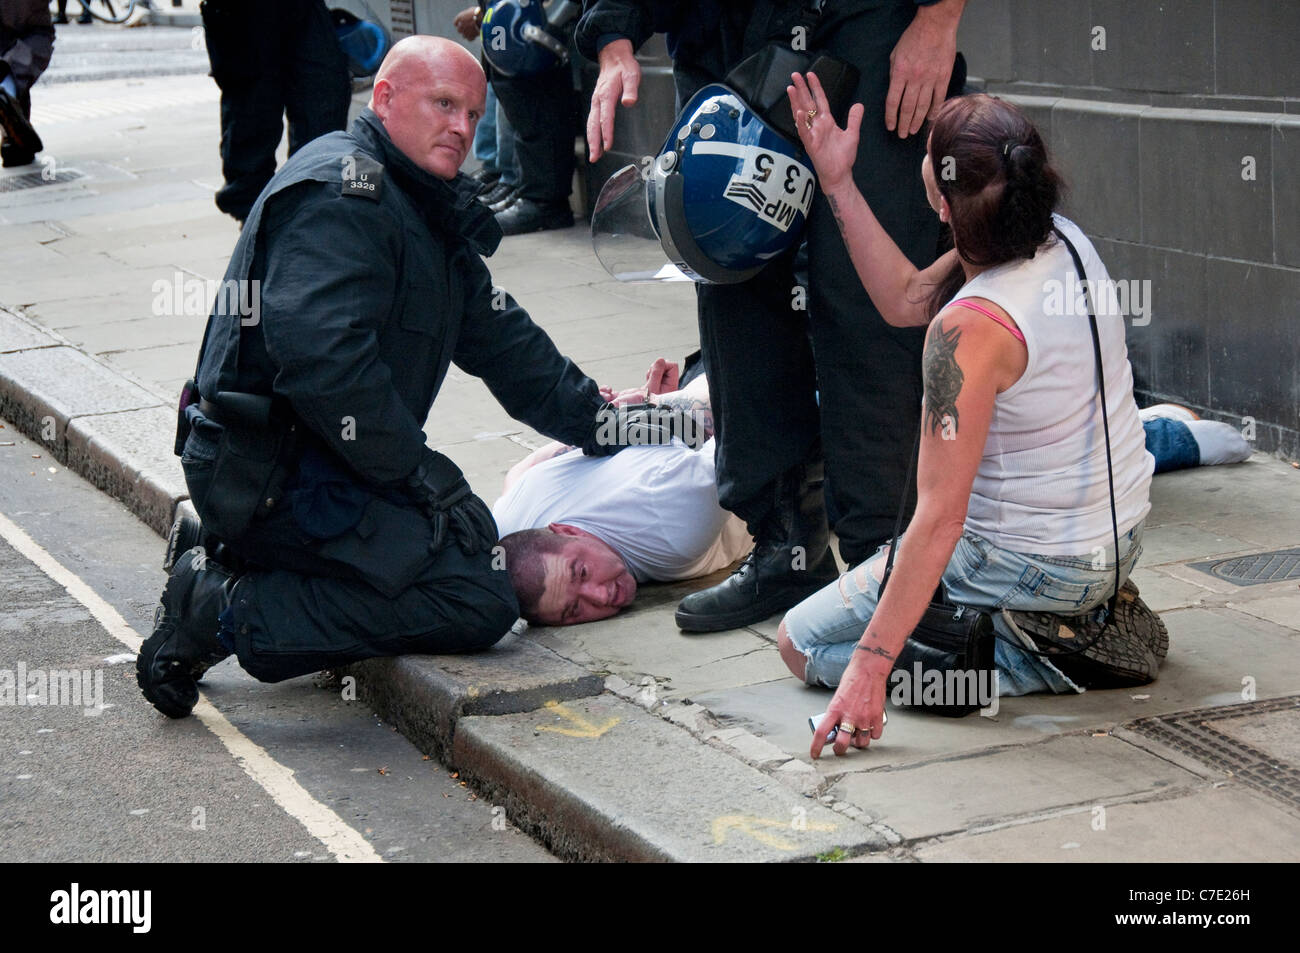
<point x="19" y="335"/>
<point x="1221" y="824"/>
<point x="427" y="697"/>
<point x="157" y="363"/>
<point x="640" y="642"/>
<point x="1162" y="591"/>
<point x="1000" y="785"/>
<point x="602" y="779"/>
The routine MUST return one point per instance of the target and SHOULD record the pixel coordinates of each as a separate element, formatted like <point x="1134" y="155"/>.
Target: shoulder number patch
<point x="363" y="176"/>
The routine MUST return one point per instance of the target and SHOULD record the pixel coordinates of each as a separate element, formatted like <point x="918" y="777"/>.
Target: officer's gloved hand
<point x="639" y="425"/>
<point x="439" y="486"/>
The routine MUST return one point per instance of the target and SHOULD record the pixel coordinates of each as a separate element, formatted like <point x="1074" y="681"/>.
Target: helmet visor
<point x="623" y="234"/>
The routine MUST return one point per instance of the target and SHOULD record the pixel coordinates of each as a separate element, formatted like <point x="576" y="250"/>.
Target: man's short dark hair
<point x="524" y="550"/>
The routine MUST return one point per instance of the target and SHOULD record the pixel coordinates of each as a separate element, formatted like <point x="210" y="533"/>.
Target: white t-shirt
<point x="1041" y="485"/>
<point x="656" y="506"/>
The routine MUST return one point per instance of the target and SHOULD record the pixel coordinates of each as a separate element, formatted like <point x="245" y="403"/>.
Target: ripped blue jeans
<point x="827" y="625"/>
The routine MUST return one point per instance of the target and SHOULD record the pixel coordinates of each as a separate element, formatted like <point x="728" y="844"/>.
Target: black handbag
<point x="946" y="665"/>
<point x="950" y="652"/>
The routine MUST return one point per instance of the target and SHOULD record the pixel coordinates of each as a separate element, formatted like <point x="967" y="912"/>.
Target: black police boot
<point x="524" y="216"/>
<point x="184" y="642"/>
<point x="186" y="533"/>
<point x="20" y="138"/>
<point x="791" y="560"/>
<point x="501" y="192"/>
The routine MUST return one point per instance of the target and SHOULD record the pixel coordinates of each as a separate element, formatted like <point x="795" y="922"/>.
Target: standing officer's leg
<point x="754" y="336"/>
<point x="542" y="110"/>
<point x="318" y="87"/>
<point x="243" y="40"/>
<point x="868" y="371"/>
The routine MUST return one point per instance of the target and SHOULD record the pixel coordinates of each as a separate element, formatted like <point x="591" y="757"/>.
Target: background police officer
<point x="766" y="363"/>
<point x="304" y="451"/>
<point x="271" y="60"/>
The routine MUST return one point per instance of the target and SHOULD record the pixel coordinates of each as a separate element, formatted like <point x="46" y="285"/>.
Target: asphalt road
<point x="285" y="772"/>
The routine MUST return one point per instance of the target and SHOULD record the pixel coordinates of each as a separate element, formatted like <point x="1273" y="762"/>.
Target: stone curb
<point x="426" y="697"/>
<point x="91" y="418"/>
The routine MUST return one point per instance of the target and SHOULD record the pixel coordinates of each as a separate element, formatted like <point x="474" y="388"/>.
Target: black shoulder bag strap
<point x="1110" y="473"/>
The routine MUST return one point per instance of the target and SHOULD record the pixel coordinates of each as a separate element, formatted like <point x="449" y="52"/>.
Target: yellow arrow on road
<point x="752" y="826"/>
<point x="583" y="727"/>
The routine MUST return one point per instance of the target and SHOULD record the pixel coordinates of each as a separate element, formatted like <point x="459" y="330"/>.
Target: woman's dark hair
<point x="990" y="163"/>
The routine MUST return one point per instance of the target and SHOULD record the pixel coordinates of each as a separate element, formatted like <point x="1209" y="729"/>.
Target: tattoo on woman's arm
<point x="835" y="210"/>
<point x="874" y="650"/>
<point x="943" y="379"/>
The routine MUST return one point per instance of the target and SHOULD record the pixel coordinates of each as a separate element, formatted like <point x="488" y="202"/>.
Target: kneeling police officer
<point x="329" y="531"/>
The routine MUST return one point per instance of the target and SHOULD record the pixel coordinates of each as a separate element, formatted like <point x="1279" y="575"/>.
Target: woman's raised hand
<point x="832" y="149"/>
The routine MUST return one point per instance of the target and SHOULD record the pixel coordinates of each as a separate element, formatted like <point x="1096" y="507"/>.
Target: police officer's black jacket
<point x="371" y="283"/>
<point x="709" y="36"/>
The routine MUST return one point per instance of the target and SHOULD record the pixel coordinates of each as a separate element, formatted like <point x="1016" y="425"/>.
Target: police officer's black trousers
<point x="271" y="60"/>
<point x="769" y="359"/>
<point x="543" y="111"/>
<point x="305" y="605"/>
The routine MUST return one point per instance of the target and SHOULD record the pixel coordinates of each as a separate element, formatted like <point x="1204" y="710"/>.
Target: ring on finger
<point x="848" y="727"/>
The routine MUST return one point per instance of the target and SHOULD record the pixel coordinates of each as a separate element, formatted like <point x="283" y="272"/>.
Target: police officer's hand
<point x="920" y="67"/>
<point x="832" y="150"/>
<point x="640" y="425"/>
<point x="468" y="21"/>
<point x="439" y="486"/>
<point x="619" y="79"/>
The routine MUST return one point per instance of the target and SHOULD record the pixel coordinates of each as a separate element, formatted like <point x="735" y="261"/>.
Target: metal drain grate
<point x="1194" y="733"/>
<point x="34" y="180"/>
<point x="1256" y="568"/>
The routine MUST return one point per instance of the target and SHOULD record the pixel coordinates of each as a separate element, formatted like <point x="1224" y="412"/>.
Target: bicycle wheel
<point x="110" y="11"/>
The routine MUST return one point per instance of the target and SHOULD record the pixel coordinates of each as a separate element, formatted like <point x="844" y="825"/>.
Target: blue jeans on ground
<point x="827" y="625"/>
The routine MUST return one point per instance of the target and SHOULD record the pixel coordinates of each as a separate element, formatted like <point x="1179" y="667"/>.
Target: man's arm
<point x="520" y="364"/>
<point x="610" y="32"/>
<point x="329" y="285"/>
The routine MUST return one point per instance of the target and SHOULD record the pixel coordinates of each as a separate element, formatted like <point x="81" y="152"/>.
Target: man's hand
<point x="468" y="22"/>
<point x="618" y="82"/>
<point x="920" y="67"/>
<point x="439" y="486"/>
<point x="663" y="377"/>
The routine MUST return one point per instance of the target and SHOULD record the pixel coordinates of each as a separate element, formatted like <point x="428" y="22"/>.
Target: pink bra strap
<point x="987" y="313"/>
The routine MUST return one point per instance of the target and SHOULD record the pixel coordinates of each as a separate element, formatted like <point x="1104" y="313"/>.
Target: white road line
<point x="345" y="843"/>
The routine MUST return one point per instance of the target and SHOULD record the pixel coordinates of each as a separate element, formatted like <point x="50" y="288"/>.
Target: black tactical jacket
<point x="371" y="284"/>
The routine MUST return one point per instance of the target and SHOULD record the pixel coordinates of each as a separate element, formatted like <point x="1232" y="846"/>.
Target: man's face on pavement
<point x="585" y="581"/>
<point x="430" y="108"/>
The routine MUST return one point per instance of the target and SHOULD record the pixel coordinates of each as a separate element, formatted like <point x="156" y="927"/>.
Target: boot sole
<point x="184" y="536"/>
<point x="161" y="633"/>
<point x="1134" y="647"/>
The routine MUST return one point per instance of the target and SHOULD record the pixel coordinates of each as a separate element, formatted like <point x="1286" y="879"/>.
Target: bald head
<point x="429" y="95"/>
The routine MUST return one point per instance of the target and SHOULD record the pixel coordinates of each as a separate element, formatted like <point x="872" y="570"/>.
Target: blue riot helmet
<point x="731" y="187"/>
<point x="364" y="42"/>
<point x="522" y="39"/>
